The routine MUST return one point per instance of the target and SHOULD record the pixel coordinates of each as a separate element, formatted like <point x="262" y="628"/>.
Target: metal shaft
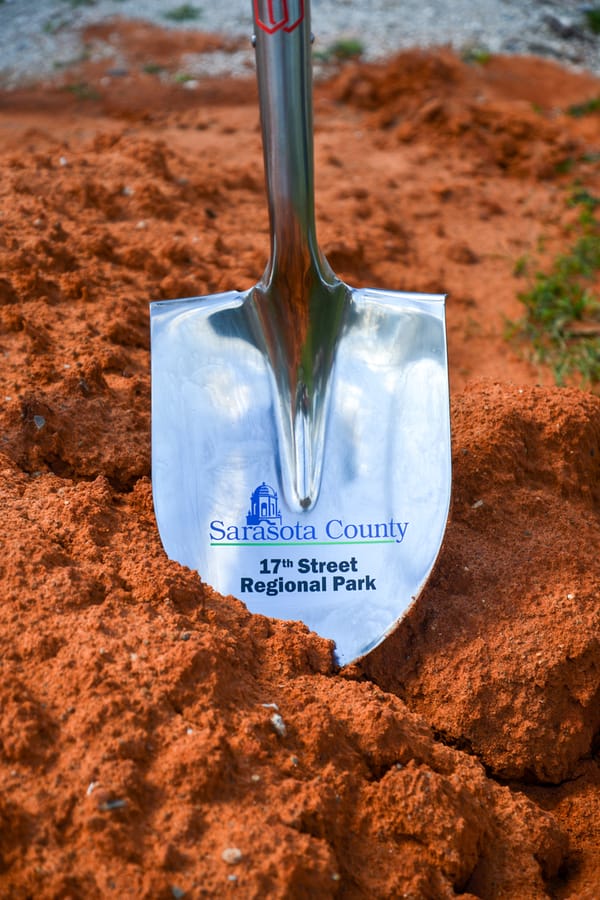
<point x="284" y="74"/>
<point x="299" y="301"/>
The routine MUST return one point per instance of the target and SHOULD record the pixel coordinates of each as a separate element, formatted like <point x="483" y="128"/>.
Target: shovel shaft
<point x="299" y="302"/>
<point x="284" y="74"/>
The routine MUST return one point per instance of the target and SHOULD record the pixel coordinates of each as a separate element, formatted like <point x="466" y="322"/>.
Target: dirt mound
<point x="150" y="725"/>
<point x="512" y="614"/>
<point x="157" y="740"/>
<point x="486" y="109"/>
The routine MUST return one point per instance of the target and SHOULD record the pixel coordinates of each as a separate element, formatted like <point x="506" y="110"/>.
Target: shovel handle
<point x="299" y="303"/>
<point x="284" y="74"/>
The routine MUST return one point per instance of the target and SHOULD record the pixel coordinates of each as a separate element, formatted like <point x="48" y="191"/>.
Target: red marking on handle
<point x="272" y="19"/>
<point x="273" y="24"/>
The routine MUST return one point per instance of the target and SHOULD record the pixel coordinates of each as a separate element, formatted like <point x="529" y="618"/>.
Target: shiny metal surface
<point x="300" y="430"/>
<point x="300" y="304"/>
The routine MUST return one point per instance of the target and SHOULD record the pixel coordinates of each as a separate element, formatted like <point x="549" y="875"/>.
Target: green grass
<point x="580" y="196"/>
<point x="578" y="110"/>
<point x="479" y="56"/>
<point x="561" y="322"/>
<point x="184" y="13"/>
<point x="348" y="48"/>
<point x="521" y="267"/>
<point x="565" y="166"/>
<point x="151" y="68"/>
<point x="592" y="17"/>
<point x="341" y="51"/>
<point x="182" y="78"/>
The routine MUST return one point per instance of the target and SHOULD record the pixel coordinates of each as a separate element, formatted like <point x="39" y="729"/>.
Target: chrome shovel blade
<point x="300" y="429"/>
<point x="351" y="564"/>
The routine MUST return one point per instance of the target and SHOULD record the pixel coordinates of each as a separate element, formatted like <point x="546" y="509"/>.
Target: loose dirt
<point x="157" y="740"/>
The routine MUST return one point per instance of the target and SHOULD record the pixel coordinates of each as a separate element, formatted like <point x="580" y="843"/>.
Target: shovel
<point x="301" y="428"/>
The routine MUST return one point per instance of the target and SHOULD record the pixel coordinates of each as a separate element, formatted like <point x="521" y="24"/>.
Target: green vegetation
<point x="592" y="17"/>
<point x="184" y="13"/>
<point x="341" y="51"/>
<point x="348" y="48"/>
<point x="521" y="267"/>
<point x="578" y="110"/>
<point x="153" y="68"/>
<point x="476" y="56"/>
<point x="582" y="197"/>
<point x="562" y="315"/>
<point x="565" y="165"/>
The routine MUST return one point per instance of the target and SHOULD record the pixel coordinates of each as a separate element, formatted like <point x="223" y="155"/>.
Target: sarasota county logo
<point x="278" y="15"/>
<point x="264" y="508"/>
<point x="264" y="525"/>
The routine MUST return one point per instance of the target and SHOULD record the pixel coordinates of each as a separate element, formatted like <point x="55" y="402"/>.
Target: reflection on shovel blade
<point x="351" y="564"/>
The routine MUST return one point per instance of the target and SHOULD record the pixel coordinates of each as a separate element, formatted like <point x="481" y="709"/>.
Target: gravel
<point x="39" y="37"/>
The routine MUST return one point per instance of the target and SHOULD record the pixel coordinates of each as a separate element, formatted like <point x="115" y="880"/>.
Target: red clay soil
<point x="139" y="756"/>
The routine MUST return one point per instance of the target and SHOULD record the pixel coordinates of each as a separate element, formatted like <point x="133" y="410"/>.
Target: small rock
<point x="232" y="856"/>
<point x="109" y="805"/>
<point x="278" y="724"/>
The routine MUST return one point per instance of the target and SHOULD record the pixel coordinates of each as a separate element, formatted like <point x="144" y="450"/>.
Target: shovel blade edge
<point x="350" y="566"/>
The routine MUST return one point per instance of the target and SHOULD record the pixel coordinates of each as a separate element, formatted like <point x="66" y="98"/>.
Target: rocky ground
<point x="40" y="37"/>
